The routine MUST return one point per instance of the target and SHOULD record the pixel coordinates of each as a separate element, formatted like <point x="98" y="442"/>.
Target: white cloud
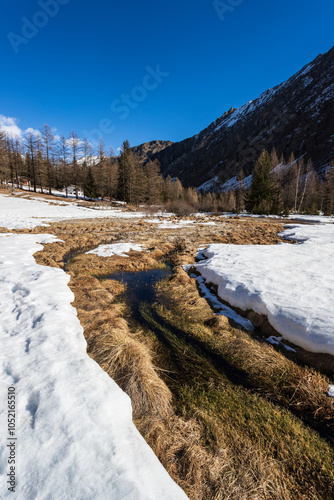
<point x="9" y="126"/>
<point x="69" y="142"/>
<point x="33" y="131"/>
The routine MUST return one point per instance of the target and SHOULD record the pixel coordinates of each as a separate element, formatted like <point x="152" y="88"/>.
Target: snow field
<point x="291" y="284"/>
<point x="20" y="213"/>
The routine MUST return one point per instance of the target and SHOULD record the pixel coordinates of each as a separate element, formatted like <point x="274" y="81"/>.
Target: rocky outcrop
<point x="145" y="151"/>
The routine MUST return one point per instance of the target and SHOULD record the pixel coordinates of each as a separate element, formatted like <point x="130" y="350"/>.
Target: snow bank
<point x="120" y="249"/>
<point x="323" y="219"/>
<point x="19" y="213"/>
<point x="75" y="436"/>
<point x="219" y="307"/>
<point x="293" y="285"/>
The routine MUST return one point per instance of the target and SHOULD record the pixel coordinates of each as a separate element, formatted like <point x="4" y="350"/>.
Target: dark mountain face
<point x="294" y="117"/>
<point x="145" y="151"/>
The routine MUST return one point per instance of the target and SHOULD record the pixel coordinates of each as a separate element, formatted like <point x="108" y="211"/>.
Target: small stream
<point x="140" y="286"/>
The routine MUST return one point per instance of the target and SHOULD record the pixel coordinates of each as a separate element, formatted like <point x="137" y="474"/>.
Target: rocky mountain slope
<point x="145" y="151"/>
<point x="296" y="116"/>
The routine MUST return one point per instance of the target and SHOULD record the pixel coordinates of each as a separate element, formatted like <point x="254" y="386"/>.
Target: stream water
<point x="140" y="286"/>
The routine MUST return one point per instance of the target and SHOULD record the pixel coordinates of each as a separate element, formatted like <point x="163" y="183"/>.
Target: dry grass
<point x="129" y="362"/>
<point x="263" y="450"/>
<point x="204" y="473"/>
<point x="124" y="356"/>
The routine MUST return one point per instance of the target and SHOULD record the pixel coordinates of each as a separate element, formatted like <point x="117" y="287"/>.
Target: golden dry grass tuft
<point x="205" y="471"/>
<point x="124" y="356"/>
<point x="129" y="362"/>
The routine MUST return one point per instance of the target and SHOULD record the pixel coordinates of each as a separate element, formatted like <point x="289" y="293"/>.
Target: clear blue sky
<point x="90" y="54"/>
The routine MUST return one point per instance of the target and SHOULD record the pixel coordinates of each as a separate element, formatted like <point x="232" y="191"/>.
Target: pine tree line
<point x="46" y="163"/>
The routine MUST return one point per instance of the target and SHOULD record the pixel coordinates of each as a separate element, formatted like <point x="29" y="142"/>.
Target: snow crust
<point x="75" y="434"/>
<point x="293" y="285"/>
<point x="120" y="249"/>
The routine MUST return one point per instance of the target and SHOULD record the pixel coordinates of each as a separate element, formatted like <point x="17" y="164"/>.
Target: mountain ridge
<point x="296" y="116"/>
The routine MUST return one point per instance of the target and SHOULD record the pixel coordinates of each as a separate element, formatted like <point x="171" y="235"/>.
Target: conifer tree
<point x="262" y="196"/>
<point x="90" y="189"/>
<point x="153" y="182"/>
<point x="127" y="174"/>
<point x="4" y="171"/>
<point x="111" y="178"/>
<point x="328" y="204"/>
<point x="74" y="144"/>
<point x="31" y="148"/>
<point x="62" y="153"/>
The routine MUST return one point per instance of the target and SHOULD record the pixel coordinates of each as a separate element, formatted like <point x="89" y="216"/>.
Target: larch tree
<point x="31" y="145"/>
<point x="127" y="174"/>
<point x="101" y="170"/>
<point x="62" y="154"/>
<point x="74" y="144"/>
<point x="4" y="168"/>
<point x="48" y="146"/>
<point x="154" y="182"/>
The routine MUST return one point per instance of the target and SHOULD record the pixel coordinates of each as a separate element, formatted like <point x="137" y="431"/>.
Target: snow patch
<point x="120" y="249"/>
<point x="19" y="213"/>
<point x="76" y="438"/>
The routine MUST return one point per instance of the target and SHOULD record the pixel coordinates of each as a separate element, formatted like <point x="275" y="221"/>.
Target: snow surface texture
<point x="120" y="249"/>
<point x="293" y="285"/>
<point x="19" y="213"/>
<point x="75" y="436"/>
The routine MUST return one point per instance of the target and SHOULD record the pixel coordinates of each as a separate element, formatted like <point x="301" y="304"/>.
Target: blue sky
<point x="152" y="69"/>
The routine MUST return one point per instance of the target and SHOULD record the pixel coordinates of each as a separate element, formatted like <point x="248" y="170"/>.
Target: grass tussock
<point x="129" y="362"/>
<point x="295" y="386"/>
<point x="124" y="356"/>
<point x="214" y="474"/>
<point x="290" y="460"/>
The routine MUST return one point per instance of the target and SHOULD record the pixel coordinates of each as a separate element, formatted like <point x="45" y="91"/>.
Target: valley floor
<point x="227" y="414"/>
